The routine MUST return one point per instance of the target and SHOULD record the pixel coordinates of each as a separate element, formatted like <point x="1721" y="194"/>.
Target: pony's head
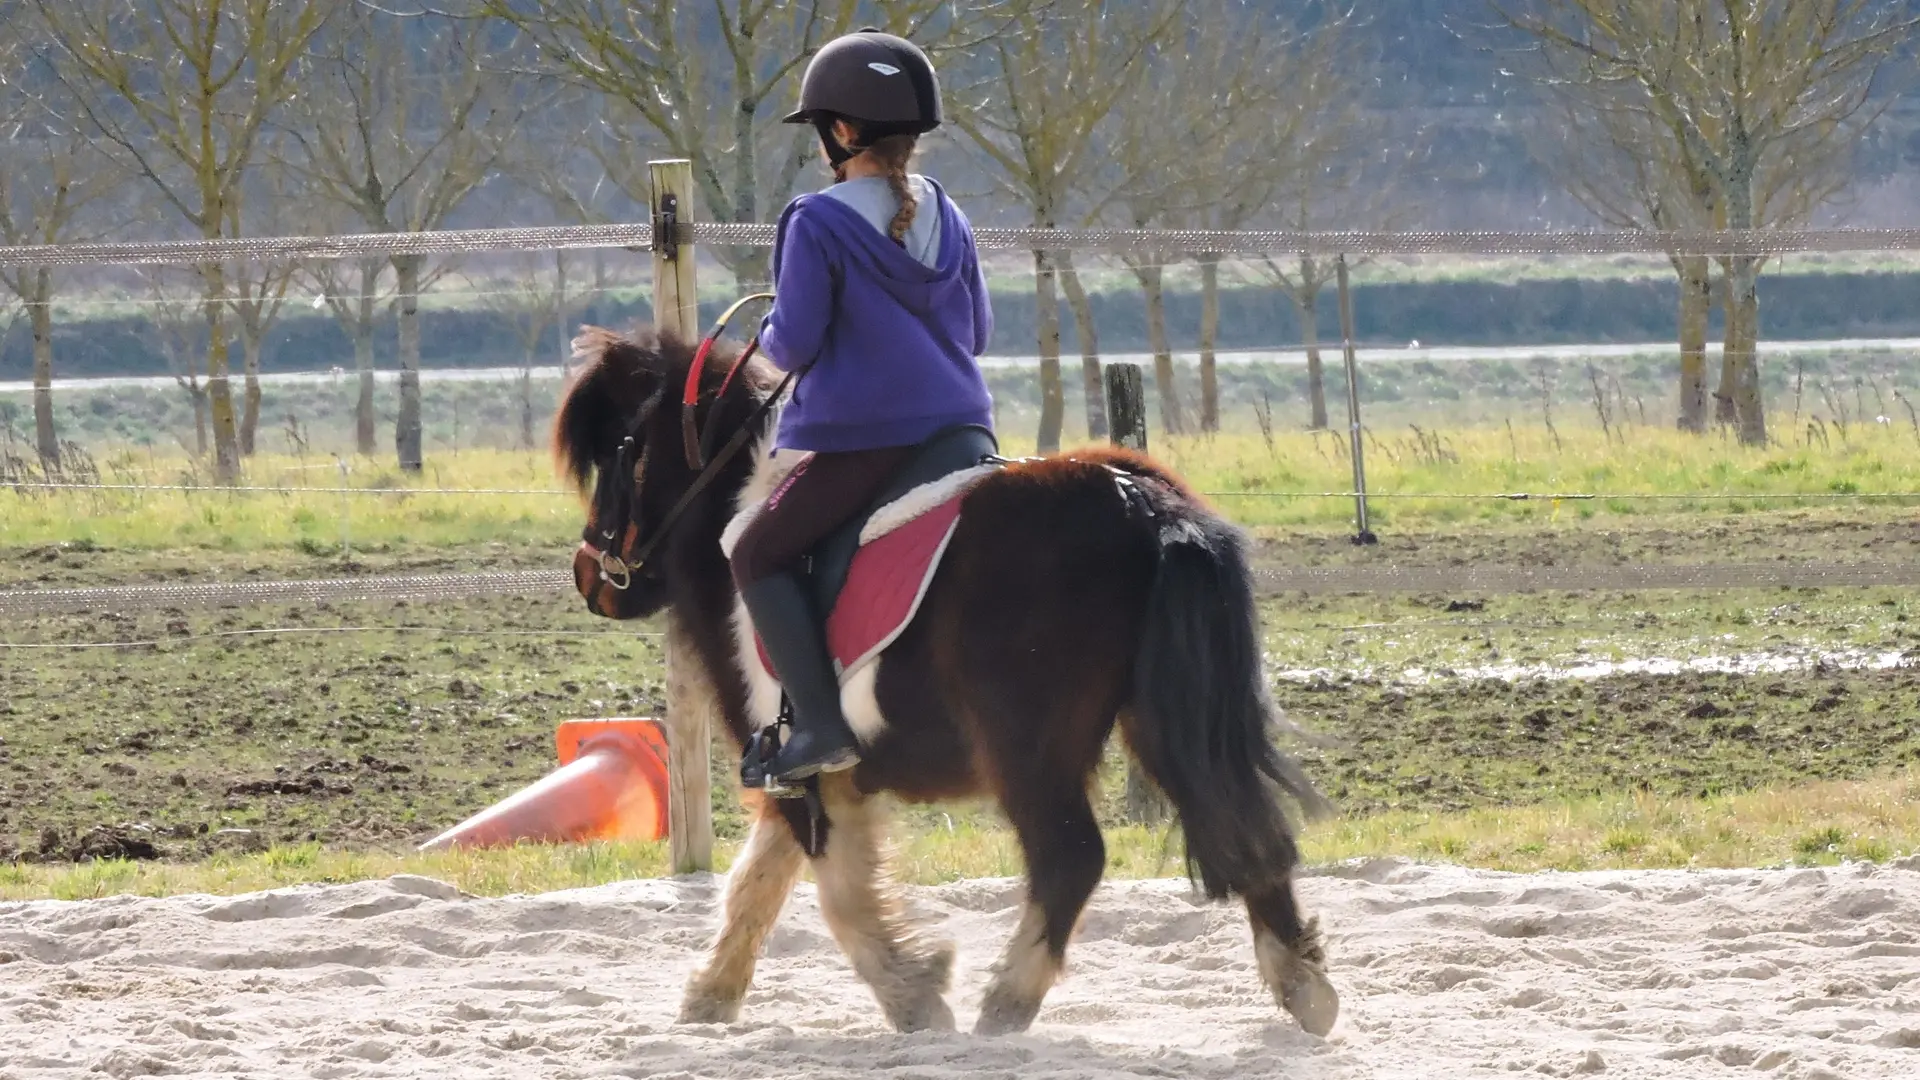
<point x="617" y="440"/>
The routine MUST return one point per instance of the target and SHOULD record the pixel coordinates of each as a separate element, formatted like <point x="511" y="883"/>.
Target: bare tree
<point x="52" y="182"/>
<point x="1244" y="169"/>
<point x="1618" y="164"/>
<point x="1621" y="165"/>
<point x="1206" y="143"/>
<point x="1335" y="172"/>
<point x="354" y="293"/>
<point x="1735" y="84"/>
<point x="181" y="91"/>
<point x="403" y="118"/>
<point x="712" y="78"/>
<point x="533" y="298"/>
<point x="1034" y="102"/>
<point x="569" y="168"/>
<point x="269" y="205"/>
<point x="180" y="331"/>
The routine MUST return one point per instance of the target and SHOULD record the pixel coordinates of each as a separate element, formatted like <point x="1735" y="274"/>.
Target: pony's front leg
<point x="908" y="971"/>
<point x="757" y="888"/>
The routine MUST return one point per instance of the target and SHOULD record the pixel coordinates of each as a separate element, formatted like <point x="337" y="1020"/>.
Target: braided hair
<point x="893" y="150"/>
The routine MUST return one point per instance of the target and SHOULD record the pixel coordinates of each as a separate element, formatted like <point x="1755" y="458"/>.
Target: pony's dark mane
<point x="616" y="374"/>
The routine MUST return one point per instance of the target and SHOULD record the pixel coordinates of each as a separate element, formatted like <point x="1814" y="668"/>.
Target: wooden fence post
<point x="691" y="702"/>
<point x="1127" y="426"/>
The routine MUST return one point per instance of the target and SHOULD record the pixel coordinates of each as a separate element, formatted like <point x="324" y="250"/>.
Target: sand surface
<point x="1445" y="973"/>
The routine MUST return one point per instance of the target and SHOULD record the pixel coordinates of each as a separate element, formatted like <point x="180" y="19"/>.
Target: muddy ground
<point x="179" y="733"/>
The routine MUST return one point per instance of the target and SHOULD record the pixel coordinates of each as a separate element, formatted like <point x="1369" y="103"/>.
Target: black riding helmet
<point x="884" y="84"/>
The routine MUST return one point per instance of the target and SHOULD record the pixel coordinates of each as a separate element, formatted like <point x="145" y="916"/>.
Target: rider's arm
<point x="803" y="283"/>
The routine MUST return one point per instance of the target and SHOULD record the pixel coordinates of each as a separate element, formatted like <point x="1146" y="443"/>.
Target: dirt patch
<point x="1489" y="742"/>
<point x="379" y="724"/>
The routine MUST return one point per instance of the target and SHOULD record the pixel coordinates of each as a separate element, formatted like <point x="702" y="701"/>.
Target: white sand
<point x="1445" y="973"/>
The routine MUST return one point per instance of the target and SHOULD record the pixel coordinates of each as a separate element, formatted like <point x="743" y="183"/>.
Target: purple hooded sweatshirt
<point x="893" y="340"/>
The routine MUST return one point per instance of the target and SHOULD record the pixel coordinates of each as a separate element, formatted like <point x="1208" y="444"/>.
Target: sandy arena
<point x="1445" y="973"/>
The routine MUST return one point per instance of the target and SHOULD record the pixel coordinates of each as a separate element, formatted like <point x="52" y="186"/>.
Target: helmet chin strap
<point x="837" y="154"/>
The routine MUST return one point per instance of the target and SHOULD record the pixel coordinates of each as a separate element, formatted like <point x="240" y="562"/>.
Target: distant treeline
<point x="1793" y="306"/>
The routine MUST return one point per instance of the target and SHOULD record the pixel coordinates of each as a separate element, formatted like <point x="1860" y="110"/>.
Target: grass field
<point x="1416" y="480"/>
<point x="227" y="749"/>
<point x="1810" y="825"/>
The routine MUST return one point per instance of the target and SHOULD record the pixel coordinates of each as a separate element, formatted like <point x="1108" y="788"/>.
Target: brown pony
<point x="1077" y="592"/>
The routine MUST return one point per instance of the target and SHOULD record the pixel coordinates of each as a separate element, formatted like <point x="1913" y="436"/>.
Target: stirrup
<point x="762" y="747"/>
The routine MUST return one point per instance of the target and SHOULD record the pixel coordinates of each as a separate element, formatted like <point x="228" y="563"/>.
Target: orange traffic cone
<point x="611" y="785"/>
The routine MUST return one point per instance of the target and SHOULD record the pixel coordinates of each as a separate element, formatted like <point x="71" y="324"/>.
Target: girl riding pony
<point x="879" y="296"/>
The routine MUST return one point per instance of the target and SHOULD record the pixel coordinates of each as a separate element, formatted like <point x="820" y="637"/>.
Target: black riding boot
<point x="783" y="613"/>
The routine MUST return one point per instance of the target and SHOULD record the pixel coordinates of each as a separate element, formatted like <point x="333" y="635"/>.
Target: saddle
<point x="949" y="451"/>
<point x="867" y="577"/>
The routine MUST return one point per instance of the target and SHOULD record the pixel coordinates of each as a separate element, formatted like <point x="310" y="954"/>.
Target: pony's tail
<point x="1201" y="721"/>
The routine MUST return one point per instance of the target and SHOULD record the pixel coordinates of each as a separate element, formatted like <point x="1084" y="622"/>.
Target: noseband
<point x="619" y="572"/>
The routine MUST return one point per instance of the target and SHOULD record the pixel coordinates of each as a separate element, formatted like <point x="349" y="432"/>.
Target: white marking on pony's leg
<point x="860" y="703"/>
<point x="757" y="888"/>
<point x="907" y="970"/>
<point x="1021" y="977"/>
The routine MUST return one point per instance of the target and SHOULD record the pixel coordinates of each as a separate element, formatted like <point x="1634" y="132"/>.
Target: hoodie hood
<point x="918" y="287"/>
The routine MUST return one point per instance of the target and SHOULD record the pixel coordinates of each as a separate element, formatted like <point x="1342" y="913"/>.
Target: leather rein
<point x="619" y="572"/>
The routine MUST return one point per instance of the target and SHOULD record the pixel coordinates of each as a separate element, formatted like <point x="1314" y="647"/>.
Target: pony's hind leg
<point x="908" y="971"/>
<point x="1291" y="957"/>
<point x="757" y="887"/>
<point x="1065" y="857"/>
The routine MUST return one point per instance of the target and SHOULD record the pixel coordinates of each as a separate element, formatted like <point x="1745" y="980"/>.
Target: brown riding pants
<point x="817" y="497"/>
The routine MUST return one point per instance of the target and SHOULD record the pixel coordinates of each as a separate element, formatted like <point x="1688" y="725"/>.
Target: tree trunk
<point x="40" y="312"/>
<point x="199" y="396"/>
<point x="366" y="440"/>
<point x="1053" y="404"/>
<point x="408" y="441"/>
<point x="1093" y="385"/>
<point x="226" y="441"/>
<point x="1307" y="301"/>
<point x="1744" y="308"/>
<point x="1724" y="411"/>
<point x="1740" y="368"/>
<point x="591" y="312"/>
<point x="250" y="344"/>
<point x="560" y="310"/>
<point x="1696" y="300"/>
<point x="526" y="405"/>
<point x="1172" y="416"/>
<point x="1209" y="337"/>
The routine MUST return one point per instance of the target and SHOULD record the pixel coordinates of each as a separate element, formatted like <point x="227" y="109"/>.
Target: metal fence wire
<point x="639" y="236"/>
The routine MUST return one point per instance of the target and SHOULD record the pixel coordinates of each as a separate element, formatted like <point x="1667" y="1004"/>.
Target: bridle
<point x="619" y="572"/>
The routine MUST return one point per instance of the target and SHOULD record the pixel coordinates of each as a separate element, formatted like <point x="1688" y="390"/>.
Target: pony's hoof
<point x="1004" y="1015"/>
<point x="1309" y="995"/>
<point x="930" y="1015"/>
<point x="924" y="981"/>
<point x="697" y="1008"/>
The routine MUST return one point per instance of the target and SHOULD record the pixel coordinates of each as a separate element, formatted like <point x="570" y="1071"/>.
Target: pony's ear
<point x="613" y="375"/>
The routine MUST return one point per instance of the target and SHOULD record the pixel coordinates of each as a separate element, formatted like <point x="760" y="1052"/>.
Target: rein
<point x="696" y="442"/>
<point x="618" y="572"/>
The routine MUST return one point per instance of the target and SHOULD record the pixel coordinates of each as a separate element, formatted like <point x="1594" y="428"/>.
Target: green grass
<point x="1808" y="825"/>
<point x="1257" y="482"/>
